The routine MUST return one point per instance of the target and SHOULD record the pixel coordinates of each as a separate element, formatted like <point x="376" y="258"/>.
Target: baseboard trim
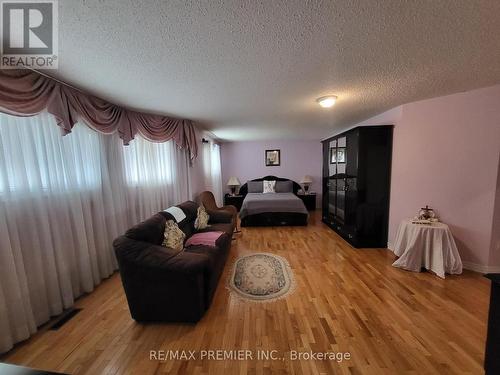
<point x="480" y="268"/>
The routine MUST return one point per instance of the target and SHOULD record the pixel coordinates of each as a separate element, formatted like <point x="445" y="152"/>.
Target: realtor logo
<point x="29" y="34"/>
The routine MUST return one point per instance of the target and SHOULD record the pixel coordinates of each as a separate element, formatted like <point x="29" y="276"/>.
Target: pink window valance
<point x="26" y="93"/>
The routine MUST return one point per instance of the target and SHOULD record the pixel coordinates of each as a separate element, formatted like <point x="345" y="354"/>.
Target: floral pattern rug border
<point x="283" y="281"/>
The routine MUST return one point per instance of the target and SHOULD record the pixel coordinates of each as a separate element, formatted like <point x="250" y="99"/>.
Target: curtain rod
<point x="57" y="80"/>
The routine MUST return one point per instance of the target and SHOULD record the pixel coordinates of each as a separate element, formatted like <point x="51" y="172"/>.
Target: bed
<point x="272" y="209"/>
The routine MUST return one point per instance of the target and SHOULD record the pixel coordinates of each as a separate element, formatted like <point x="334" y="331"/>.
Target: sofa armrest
<point x="222" y="216"/>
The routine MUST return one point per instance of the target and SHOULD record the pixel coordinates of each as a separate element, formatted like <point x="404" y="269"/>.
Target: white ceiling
<point x="253" y="69"/>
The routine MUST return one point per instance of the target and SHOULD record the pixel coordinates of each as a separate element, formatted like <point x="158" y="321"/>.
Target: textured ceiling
<point x="253" y="69"/>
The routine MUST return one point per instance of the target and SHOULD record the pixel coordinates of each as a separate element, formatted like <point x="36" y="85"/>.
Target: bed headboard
<point x="244" y="187"/>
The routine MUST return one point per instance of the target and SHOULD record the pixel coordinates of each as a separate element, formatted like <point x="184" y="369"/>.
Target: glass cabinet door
<point x="332" y="185"/>
<point x="341" y="182"/>
<point x="340" y="212"/>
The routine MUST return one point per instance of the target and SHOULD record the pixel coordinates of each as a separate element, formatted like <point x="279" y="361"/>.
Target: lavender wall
<point x="446" y="154"/>
<point x="298" y="158"/>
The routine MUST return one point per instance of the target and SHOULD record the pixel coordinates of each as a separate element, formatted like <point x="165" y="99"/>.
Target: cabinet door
<point x="332" y="183"/>
<point x="351" y="182"/>
<point x="326" y="180"/>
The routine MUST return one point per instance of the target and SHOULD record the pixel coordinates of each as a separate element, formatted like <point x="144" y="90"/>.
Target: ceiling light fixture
<point x="327" y="101"/>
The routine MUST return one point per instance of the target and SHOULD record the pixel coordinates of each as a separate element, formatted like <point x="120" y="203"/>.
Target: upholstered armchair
<point x="208" y="201"/>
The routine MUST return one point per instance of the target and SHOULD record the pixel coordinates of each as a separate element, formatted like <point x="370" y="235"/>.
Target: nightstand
<point x="309" y="200"/>
<point x="233" y="200"/>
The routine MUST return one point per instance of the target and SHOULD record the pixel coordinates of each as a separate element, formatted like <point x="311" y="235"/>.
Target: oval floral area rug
<point x="261" y="277"/>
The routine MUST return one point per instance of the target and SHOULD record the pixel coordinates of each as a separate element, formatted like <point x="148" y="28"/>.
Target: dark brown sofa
<point x="163" y="285"/>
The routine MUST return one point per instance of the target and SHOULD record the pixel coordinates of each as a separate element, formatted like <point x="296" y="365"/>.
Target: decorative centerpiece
<point x="426" y="215"/>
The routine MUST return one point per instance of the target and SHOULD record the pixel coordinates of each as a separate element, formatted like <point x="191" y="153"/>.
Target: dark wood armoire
<point x="492" y="357"/>
<point x="356" y="184"/>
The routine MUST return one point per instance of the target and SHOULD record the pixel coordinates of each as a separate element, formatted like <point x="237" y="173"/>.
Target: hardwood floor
<point x="347" y="300"/>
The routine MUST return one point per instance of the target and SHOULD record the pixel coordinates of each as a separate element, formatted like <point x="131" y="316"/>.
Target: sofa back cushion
<point x="150" y="230"/>
<point x="190" y="209"/>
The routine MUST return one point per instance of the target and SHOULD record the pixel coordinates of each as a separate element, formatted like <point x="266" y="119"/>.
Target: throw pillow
<point x="269" y="186"/>
<point x="173" y="236"/>
<point x="202" y="218"/>
<point x="204" y="238"/>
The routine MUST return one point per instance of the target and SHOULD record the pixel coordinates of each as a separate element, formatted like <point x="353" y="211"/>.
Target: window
<point x="35" y="158"/>
<point x="148" y="163"/>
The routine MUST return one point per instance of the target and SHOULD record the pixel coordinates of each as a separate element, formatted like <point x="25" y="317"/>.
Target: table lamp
<point x="306" y="181"/>
<point x="233" y="183"/>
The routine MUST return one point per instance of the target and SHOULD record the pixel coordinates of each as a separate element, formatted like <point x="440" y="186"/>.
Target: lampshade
<point x="233" y="181"/>
<point x="306" y="180"/>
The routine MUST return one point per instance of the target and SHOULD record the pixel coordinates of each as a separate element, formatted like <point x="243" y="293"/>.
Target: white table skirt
<point x="427" y="245"/>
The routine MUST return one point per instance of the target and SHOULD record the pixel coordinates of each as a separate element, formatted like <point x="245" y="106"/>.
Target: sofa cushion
<point x="190" y="208"/>
<point x="187" y="225"/>
<point x="173" y="236"/>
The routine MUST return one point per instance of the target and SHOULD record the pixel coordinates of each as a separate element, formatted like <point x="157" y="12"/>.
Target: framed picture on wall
<point x="273" y="158"/>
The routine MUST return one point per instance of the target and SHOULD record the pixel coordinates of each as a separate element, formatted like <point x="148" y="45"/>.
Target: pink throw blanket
<point x="204" y="238"/>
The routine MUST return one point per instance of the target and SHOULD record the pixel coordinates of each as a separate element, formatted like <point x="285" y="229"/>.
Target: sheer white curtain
<point x="54" y="233"/>
<point x="62" y="202"/>
<point x="212" y="170"/>
<point x="216" y="173"/>
<point x="156" y="175"/>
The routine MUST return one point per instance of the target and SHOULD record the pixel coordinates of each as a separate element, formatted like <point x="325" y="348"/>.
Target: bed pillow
<point x="255" y="186"/>
<point x="284" y="186"/>
<point x="269" y="187"/>
<point x="173" y="236"/>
